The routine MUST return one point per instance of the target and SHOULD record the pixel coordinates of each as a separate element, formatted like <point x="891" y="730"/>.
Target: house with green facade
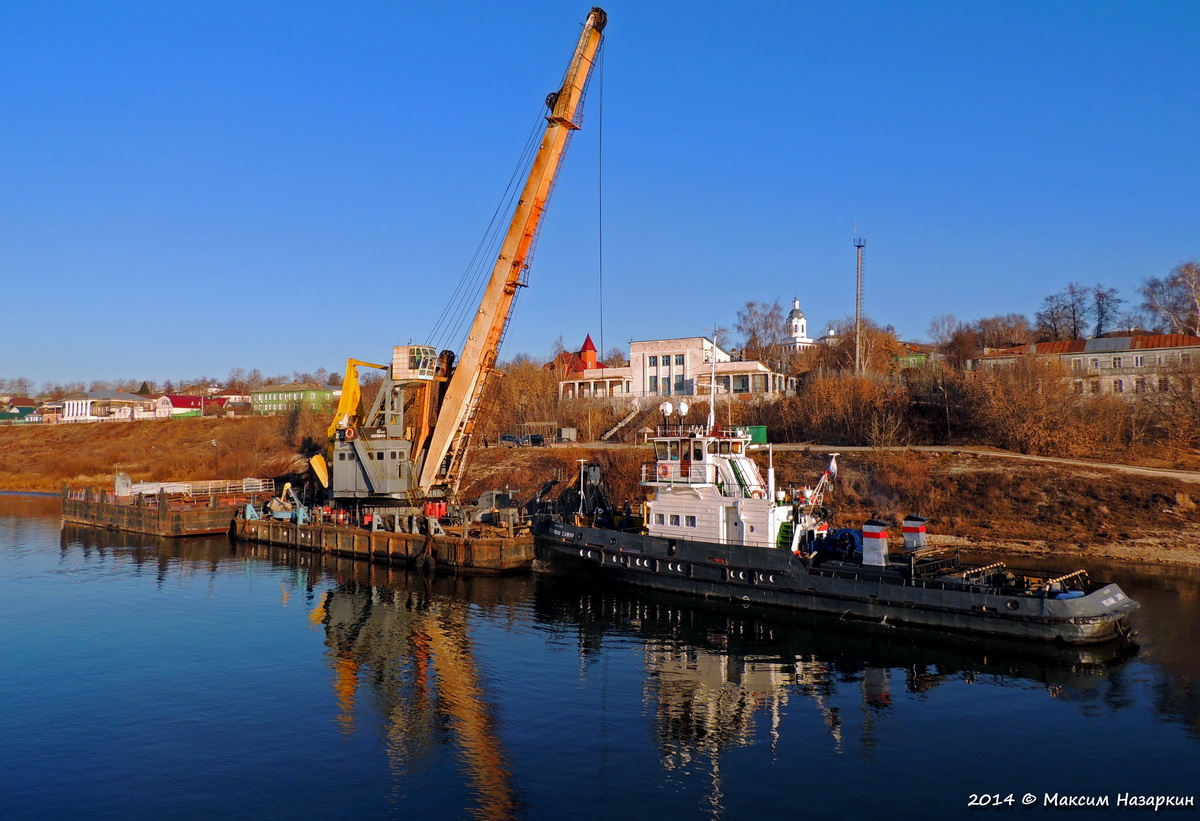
<point x="273" y="399"/>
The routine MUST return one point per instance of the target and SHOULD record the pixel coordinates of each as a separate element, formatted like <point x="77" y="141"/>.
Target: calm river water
<point x="147" y="678"/>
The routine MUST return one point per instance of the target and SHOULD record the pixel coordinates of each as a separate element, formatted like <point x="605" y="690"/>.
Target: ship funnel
<point x="875" y="543"/>
<point x="914" y="532"/>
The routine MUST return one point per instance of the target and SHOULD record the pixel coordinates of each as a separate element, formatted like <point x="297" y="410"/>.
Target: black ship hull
<point x="891" y="595"/>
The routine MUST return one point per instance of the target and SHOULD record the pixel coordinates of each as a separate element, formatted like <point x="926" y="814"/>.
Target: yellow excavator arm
<point x="349" y="414"/>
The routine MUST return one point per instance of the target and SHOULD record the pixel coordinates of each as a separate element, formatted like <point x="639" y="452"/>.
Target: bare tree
<point x="879" y="348"/>
<point x="1052" y="320"/>
<point x="1135" y="321"/>
<point x="615" y="358"/>
<point x="1175" y="298"/>
<point x="942" y="328"/>
<point x="763" y="327"/>
<point x="1065" y="315"/>
<point x="964" y="344"/>
<point x="1004" y="331"/>
<point x="1105" y="303"/>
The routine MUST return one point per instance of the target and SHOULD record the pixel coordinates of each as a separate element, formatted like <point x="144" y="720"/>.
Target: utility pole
<point x="859" y="242"/>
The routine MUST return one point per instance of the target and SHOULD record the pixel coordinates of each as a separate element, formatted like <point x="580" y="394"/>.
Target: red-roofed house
<point x="581" y="374"/>
<point x="1116" y="364"/>
<point x="176" y="405"/>
<point x="667" y="367"/>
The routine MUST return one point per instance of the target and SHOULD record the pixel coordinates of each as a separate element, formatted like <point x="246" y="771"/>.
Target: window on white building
<point x="653" y="362"/>
<point x="679" y="359"/>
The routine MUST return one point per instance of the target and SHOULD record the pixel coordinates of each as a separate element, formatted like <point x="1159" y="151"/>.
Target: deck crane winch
<point x="411" y="444"/>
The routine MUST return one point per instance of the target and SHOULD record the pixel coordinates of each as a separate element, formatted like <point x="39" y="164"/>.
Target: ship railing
<point x="695" y="431"/>
<point x="674" y="473"/>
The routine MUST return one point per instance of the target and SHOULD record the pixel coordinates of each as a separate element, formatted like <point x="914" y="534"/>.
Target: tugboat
<point x="716" y="528"/>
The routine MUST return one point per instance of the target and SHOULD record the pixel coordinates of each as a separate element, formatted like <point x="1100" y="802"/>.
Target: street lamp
<point x="946" y="397"/>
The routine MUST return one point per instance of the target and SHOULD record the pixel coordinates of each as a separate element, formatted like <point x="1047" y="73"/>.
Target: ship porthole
<point x="612" y="541"/>
<point x="1013" y="604"/>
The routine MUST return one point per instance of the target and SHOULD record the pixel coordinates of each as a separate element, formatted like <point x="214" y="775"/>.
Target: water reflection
<point x="715" y="672"/>
<point x="403" y="654"/>
<point x="412" y="648"/>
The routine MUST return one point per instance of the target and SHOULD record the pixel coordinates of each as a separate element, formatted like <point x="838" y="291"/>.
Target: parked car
<point x="533" y="440"/>
<point x="508" y="440"/>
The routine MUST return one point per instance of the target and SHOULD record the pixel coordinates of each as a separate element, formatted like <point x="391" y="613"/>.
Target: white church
<point x="797" y="329"/>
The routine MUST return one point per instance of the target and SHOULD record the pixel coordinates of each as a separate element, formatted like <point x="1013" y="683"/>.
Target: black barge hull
<point x="774" y="577"/>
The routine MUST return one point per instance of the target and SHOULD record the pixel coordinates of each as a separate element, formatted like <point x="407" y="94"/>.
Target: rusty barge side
<point x="156" y="515"/>
<point x="176" y="515"/>
<point x="501" y="554"/>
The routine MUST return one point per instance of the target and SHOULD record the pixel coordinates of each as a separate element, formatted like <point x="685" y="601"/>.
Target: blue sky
<point x="190" y="187"/>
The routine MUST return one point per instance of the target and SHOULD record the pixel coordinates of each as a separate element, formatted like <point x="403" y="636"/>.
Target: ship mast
<point x="451" y="435"/>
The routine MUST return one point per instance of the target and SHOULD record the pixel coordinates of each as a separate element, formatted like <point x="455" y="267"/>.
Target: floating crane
<point x="411" y="444"/>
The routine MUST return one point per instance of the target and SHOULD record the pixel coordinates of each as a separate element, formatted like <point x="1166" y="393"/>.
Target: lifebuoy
<point x="350" y="434"/>
<point x="756" y="494"/>
<point x="664" y="471"/>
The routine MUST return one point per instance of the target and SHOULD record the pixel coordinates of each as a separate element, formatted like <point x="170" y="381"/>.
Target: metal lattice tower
<point x="859" y="243"/>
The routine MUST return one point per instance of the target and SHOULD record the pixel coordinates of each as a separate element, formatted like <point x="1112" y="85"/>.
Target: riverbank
<point x="982" y="501"/>
<point x="979" y="501"/>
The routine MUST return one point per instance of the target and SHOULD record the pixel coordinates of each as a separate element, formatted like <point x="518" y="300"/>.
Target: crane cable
<point x="452" y="324"/>
<point x="450" y="329"/>
<point x="600" y="196"/>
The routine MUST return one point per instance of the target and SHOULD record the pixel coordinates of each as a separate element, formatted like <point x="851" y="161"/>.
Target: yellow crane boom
<point x="452" y="432"/>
